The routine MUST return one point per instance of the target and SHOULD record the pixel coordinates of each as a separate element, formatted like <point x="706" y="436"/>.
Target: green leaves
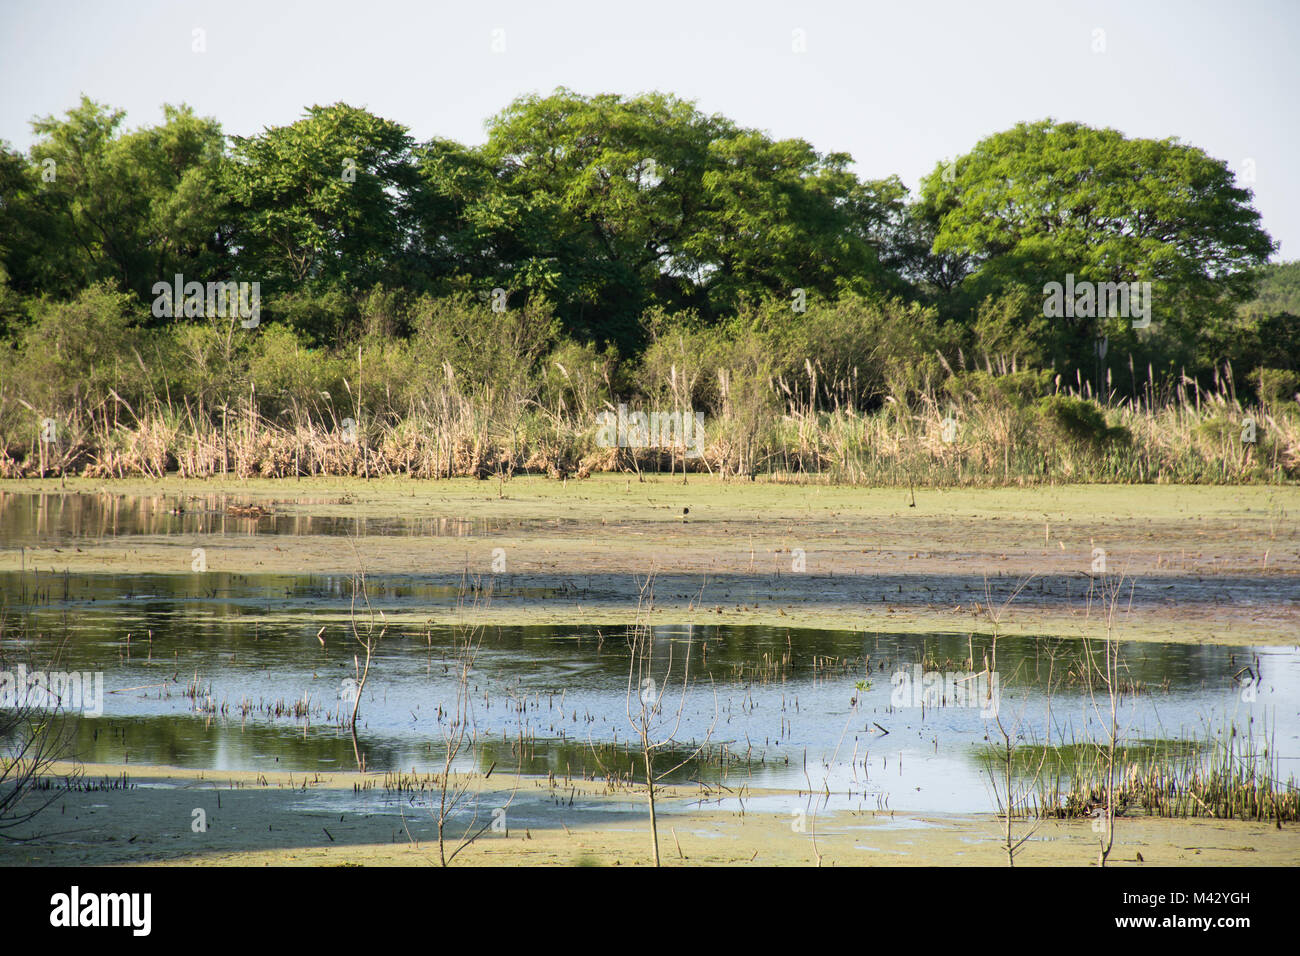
<point x="131" y="207"/>
<point x="1043" y="199"/>
<point x="609" y="208"/>
<point x="646" y="201"/>
<point x="323" y="201"/>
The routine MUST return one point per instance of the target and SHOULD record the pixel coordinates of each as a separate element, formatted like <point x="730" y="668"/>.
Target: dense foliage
<point x="602" y="249"/>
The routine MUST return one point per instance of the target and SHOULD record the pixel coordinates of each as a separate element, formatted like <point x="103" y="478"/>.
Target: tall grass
<point x="459" y="437"/>
<point x="1227" y="776"/>
<point x="853" y="393"/>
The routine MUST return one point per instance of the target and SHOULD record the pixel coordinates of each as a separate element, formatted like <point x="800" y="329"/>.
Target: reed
<point x="1189" y="438"/>
<point x="1224" y="776"/>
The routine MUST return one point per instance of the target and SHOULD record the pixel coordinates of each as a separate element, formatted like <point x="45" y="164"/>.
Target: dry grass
<point x="461" y="432"/>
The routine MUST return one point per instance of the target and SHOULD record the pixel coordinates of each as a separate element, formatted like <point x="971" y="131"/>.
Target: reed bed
<point x="1192" y="438"/>
<point x="1230" y="776"/>
<point x="841" y="394"/>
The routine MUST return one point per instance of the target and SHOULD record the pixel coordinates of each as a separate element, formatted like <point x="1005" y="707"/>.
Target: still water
<point x="256" y="672"/>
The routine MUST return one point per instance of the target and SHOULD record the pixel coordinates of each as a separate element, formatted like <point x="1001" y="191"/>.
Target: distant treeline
<point x="601" y="249"/>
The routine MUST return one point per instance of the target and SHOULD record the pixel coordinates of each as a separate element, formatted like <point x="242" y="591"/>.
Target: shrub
<point x="1079" y="422"/>
<point x="1278" y="388"/>
<point x="1015" y="389"/>
<point x="292" y="378"/>
<point x="578" y="379"/>
<point x="72" y="353"/>
<point x="204" y="363"/>
<point x="1009" y="332"/>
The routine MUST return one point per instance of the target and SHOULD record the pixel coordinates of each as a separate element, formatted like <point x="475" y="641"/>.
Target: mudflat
<point x="280" y="819"/>
<point x="1202" y="564"/>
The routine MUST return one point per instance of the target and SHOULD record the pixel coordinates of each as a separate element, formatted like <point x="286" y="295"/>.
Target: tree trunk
<point x="650" y="787"/>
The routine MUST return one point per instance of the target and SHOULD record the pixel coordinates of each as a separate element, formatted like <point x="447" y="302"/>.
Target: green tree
<point x="132" y="208"/>
<point x="1044" y="199"/>
<point x="610" y="205"/>
<point x="461" y="221"/>
<point x="778" y="216"/>
<point x="321" y="204"/>
<point x="1266" y="331"/>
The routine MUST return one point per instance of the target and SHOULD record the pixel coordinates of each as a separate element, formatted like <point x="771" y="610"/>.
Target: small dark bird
<point x="686" y="511"/>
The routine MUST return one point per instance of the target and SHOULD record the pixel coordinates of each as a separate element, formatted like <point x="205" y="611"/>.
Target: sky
<point x="900" y="85"/>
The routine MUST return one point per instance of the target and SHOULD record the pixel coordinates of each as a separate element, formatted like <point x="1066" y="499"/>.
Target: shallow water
<point x="206" y="671"/>
<point x="28" y="519"/>
<point x="209" y="680"/>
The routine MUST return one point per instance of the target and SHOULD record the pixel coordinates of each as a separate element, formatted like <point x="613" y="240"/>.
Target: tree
<point x="597" y="193"/>
<point x="779" y="216"/>
<point x="132" y="208"/>
<point x="321" y="204"/>
<point x="462" y="223"/>
<point x="184" y="227"/>
<point x="32" y="252"/>
<point x="1266" y="333"/>
<point x="610" y="205"/>
<point x="1044" y="199"/>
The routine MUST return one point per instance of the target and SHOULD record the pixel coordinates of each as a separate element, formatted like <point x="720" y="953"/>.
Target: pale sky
<point x="899" y="85"/>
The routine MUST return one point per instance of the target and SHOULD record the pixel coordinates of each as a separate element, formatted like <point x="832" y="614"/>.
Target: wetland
<point x="816" y="649"/>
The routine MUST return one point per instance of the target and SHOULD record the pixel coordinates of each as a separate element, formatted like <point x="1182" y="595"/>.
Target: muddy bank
<point x="1202" y="564"/>
<point x="282" y="819"/>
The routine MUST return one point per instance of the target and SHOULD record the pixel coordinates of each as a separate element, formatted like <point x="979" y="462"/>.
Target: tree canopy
<point x="1045" y="200"/>
<point x="609" y="207"/>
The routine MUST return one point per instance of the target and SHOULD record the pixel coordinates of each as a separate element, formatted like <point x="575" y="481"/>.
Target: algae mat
<point x="1199" y="563"/>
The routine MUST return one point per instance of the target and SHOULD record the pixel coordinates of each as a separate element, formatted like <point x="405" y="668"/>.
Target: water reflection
<point x="229" y="687"/>
<point x="228" y="671"/>
<point x="28" y="519"/>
